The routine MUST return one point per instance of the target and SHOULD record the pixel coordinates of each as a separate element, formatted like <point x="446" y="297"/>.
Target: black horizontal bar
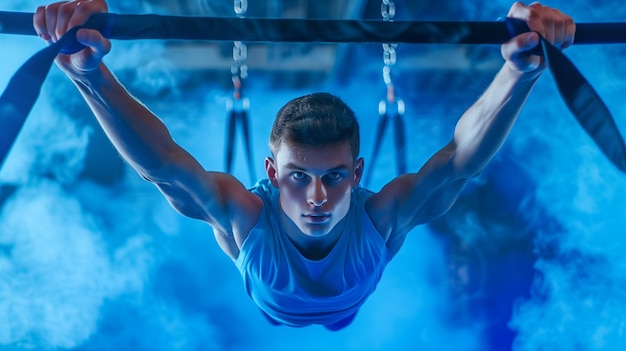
<point x="310" y="30"/>
<point x="128" y="27"/>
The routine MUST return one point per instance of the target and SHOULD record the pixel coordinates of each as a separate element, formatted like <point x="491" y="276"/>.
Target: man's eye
<point x="298" y="175"/>
<point x="334" y="176"/>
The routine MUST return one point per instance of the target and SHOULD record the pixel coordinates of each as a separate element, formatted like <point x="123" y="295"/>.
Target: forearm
<point x="483" y="128"/>
<point x="138" y="135"/>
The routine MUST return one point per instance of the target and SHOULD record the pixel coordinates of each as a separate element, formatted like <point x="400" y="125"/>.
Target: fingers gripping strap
<point x="517" y="27"/>
<point x="103" y="23"/>
<point x="24" y="87"/>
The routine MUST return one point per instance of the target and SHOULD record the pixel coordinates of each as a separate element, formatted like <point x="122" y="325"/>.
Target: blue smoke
<point x="93" y="258"/>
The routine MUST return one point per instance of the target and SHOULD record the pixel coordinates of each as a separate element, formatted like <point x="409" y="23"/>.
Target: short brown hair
<point x="316" y="120"/>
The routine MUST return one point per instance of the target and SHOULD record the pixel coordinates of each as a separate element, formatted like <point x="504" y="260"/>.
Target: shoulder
<point x="416" y="198"/>
<point x="250" y="206"/>
<point x="235" y="209"/>
<point x="381" y="206"/>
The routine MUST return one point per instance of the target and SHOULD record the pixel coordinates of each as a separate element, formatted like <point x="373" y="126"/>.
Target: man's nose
<point x="317" y="193"/>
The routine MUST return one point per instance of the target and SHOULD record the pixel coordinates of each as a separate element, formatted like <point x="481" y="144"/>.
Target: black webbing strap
<point x="22" y="92"/>
<point x="586" y="105"/>
<point x="399" y="144"/>
<point x="239" y="117"/>
<point x="580" y="97"/>
<point x="378" y="141"/>
<point x="24" y="87"/>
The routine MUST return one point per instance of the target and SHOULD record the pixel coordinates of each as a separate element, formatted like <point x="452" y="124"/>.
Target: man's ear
<point x="270" y="169"/>
<point x="358" y="171"/>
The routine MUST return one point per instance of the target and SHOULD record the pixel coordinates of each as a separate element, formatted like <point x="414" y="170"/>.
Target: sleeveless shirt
<point x="296" y="291"/>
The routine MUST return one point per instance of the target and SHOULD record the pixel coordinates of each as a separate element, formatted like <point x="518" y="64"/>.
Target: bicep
<point x="413" y="199"/>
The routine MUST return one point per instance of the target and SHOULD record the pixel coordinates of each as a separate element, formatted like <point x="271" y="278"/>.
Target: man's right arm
<point x="141" y="138"/>
<point x="146" y="144"/>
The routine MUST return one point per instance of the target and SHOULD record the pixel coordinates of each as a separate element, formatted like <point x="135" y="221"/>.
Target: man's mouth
<point x="317" y="217"/>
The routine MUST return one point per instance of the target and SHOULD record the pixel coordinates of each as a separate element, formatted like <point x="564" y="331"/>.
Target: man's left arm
<point x="484" y="127"/>
<point x="413" y="199"/>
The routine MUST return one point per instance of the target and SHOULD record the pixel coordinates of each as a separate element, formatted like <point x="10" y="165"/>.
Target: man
<point x="310" y="243"/>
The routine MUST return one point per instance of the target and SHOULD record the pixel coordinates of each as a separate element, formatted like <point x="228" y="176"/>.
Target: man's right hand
<point x="54" y="20"/>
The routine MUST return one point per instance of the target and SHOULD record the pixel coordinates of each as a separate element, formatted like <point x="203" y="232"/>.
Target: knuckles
<point x="56" y="18"/>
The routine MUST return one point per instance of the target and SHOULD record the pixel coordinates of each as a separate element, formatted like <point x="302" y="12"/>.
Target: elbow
<point x="468" y="170"/>
<point x="466" y="165"/>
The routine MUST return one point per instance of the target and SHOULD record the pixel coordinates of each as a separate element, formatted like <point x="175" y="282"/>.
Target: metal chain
<point x="388" y="12"/>
<point x="239" y="69"/>
<point x="241" y="7"/>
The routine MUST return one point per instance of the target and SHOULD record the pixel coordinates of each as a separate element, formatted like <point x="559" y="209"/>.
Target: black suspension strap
<point x="389" y="112"/>
<point x="238" y="116"/>
<point x="582" y="100"/>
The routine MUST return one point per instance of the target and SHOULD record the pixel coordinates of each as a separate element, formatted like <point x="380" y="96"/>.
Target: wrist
<point x="96" y="78"/>
<point x="519" y="75"/>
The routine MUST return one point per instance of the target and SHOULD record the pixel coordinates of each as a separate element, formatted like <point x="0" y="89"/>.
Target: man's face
<point x="315" y="184"/>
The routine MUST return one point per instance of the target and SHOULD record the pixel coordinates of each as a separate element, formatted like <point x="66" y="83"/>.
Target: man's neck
<point x="312" y="247"/>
